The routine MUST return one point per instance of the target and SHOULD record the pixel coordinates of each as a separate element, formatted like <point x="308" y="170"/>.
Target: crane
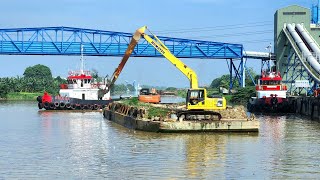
<point x="197" y="102"/>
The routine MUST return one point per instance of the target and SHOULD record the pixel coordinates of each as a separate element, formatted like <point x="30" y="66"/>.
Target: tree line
<point x="38" y="78"/>
<point x="242" y="94"/>
<point x="35" y="79"/>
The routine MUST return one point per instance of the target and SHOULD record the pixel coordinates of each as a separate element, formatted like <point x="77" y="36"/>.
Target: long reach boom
<point x="159" y="46"/>
<point x="136" y="37"/>
<point x="197" y="102"/>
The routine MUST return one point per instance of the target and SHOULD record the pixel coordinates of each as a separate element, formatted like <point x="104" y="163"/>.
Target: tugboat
<point x="270" y="94"/>
<point x="81" y="92"/>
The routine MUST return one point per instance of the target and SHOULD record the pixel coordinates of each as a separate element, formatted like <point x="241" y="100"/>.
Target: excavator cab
<point x="197" y="100"/>
<point x="145" y="91"/>
<point x="195" y="96"/>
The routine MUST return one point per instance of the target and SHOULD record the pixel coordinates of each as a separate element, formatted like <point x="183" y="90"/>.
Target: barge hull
<point x="184" y="126"/>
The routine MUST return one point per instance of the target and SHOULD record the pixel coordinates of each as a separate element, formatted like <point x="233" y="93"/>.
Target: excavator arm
<point x="135" y="39"/>
<point x="159" y="46"/>
<point x="197" y="99"/>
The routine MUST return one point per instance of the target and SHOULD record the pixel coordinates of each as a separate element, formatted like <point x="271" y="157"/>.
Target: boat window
<point x="74" y="81"/>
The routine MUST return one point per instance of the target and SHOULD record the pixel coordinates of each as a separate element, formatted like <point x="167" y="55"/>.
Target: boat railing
<point x="77" y="73"/>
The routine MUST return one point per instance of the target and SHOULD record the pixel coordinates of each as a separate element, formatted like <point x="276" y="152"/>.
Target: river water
<point x="60" y="145"/>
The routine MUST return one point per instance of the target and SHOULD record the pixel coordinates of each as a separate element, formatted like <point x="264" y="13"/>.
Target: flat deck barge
<point x="125" y="117"/>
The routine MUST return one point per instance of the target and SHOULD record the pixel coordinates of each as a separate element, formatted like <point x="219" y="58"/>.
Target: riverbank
<point x="21" y="96"/>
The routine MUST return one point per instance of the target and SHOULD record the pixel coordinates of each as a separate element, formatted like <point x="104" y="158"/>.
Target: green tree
<point x="224" y="80"/>
<point x="243" y="94"/>
<point x="253" y="74"/>
<point x="130" y="87"/>
<point x="39" y="78"/>
<point x="38" y="71"/>
<point x="171" y="89"/>
<point x="4" y="88"/>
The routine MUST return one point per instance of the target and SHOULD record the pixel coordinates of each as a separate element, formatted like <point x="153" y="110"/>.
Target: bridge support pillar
<point x="236" y="72"/>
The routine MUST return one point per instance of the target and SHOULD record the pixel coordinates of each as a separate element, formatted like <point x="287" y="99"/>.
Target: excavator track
<point x="186" y="115"/>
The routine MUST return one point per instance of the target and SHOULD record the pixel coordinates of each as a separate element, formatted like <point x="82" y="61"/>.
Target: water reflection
<point x="58" y="145"/>
<point x="189" y="155"/>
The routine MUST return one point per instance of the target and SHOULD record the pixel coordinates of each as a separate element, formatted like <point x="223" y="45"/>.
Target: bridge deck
<point x="67" y="41"/>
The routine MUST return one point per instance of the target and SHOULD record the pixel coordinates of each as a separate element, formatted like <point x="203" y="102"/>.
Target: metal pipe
<point x="309" y="40"/>
<point x="305" y="51"/>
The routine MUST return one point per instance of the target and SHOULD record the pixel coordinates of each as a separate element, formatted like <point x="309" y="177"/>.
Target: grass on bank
<point x="22" y="96"/>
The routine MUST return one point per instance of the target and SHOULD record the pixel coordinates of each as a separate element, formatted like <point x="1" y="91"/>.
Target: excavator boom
<point x="197" y="101"/>
<point x="159" y="46"/>
<point x="135" y="39"/>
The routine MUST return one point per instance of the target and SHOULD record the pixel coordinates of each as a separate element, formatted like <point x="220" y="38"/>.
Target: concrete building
<point x="285" y="55"/>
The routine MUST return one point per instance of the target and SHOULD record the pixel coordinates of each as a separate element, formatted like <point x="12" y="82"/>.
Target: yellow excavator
<point x="197" y="101"/>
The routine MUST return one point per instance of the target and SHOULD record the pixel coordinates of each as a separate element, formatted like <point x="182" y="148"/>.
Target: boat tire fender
<point x="68" y="105"/>
<point x="40" y="105"/>
<point x="62" y="105"/>
<point x="46" y="105"/>
<point x="52" y="106"/>
<point x="73" y="106"/>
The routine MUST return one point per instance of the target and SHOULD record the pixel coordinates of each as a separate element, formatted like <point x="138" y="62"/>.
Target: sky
<point x="247" y="22"/>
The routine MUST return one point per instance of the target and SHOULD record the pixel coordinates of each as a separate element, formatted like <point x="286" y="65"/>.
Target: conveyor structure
<point x="303" y="60"/>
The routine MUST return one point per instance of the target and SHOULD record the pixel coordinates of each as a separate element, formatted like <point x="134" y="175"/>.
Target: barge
<point x="138" y="119"/>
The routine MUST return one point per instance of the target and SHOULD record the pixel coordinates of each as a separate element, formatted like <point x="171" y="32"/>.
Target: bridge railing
<point x="68" y="41"/>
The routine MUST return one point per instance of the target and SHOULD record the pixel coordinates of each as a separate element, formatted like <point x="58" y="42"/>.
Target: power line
<point x="203" y="29"/>
<point x="253" y="41"/>
<point x="233" y="34"/>
<point x="214" y="27"/>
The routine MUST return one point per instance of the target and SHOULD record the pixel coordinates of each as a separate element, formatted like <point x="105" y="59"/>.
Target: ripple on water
<point x="56" y="145"/>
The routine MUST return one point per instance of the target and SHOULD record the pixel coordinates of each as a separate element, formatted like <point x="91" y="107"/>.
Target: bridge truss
<point x="68" y="41"/>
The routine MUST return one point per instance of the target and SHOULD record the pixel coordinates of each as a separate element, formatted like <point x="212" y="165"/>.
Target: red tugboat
<point x="80" y="92"/>
<point x="270" y="94"/>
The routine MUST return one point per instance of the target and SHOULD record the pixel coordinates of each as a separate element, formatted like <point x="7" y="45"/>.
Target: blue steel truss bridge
<point x="68" y="41"/>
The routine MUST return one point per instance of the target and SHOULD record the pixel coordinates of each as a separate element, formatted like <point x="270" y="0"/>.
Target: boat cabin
<point x="81" y="85"/>
<point x="270" y="84"/>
